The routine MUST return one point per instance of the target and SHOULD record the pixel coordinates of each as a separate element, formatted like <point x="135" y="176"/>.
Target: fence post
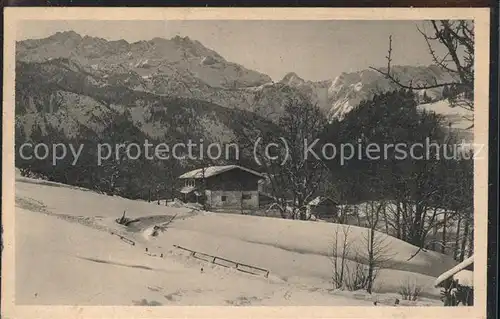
<point x="214" y="259"/>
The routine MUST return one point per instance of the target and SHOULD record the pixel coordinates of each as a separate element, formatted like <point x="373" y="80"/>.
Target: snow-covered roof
<point x="216" y="170"/>
<point x="465" y="278"/>
<point x="320" y="199"/>
<point x="460" y="268"/>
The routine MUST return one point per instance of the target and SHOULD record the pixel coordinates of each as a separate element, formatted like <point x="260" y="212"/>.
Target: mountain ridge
<point x="184" y="67"/>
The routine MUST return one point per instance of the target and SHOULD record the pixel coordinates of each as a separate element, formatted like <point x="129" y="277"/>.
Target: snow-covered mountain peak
<point x="184" y="67"/>
<point x="292" y="79"/>
<point x="348" y="89"/>
<point x="65" y="35"/>
<point x="158" y="61"/>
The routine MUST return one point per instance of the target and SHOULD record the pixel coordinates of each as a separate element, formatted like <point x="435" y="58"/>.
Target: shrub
<point x="409" y="290"/>
<point x="356" y="277"/>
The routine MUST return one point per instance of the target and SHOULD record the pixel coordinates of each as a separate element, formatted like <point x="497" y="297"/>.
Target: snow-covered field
<point x="67" y="233"/>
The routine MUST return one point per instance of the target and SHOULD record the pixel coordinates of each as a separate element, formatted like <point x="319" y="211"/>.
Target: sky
<point x="315" y="50"/>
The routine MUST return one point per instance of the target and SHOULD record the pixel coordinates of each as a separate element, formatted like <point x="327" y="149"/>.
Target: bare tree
<point x="355" y="269"/>
<point x="294" y="177"/>
<point x="456" y="39"/>
<point x="341" y="249"/>
<point x="377" y="246"/>
<point x="336" y="190"/>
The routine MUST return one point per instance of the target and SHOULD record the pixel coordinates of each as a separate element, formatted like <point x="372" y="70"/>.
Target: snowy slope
<point x="312" y="238"/>
<point x="459" y="118"/>
<point x="80" y="262"/>
<point x="77" y="265"/>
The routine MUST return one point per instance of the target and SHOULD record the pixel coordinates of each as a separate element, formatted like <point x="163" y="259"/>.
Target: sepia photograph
<point x="230" y="162"/>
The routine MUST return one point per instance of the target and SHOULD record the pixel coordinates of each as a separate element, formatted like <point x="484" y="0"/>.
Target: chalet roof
<point x="320" y="199"/>
<point x="216" y="170"/>
<point x="463" y="266"/>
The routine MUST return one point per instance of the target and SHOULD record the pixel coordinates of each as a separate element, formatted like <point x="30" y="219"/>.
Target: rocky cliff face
<point x="184" y="68"/>
<point x="58" y="96"/>
<point x="339" y="95"/>
<point x="178" y="57"/>
<point x="348" y="89"/>
<point x="178" y="67"/>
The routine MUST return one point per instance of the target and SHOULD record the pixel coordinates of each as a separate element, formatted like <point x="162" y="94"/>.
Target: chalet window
<point x="223" y="198"/>
<point x="246" y="196"/>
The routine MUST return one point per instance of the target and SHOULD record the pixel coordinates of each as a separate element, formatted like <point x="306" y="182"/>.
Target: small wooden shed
<point x="323" y="208"/>
<point x="458" y="284"/>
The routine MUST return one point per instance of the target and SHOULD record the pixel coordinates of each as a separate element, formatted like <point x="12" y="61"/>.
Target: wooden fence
<point x="128" y="241"/>
<point x="253" y="270"/>
<point x="226" y="262"/>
